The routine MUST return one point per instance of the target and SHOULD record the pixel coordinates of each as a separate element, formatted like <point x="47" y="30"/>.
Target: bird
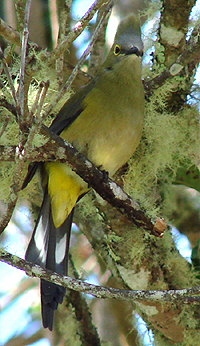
<point x="104" y="121"/>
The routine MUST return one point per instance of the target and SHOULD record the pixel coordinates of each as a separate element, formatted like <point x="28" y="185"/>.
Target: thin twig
<point x="187" y="295"/>
<point x="20" y="9"/>
<point x="35" y="104"/>
<point x="23" y="57"/>
<point x="41" y="101"/>
<point x="38" y="119"/>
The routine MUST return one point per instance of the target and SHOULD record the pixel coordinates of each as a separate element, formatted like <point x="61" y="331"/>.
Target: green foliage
<point x="196" y="258"/>
<point x="188" y="176"/>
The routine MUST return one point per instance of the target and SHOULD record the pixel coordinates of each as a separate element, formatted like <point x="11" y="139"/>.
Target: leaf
<point x="196" y="258"/>
<point x="188" y="176"/>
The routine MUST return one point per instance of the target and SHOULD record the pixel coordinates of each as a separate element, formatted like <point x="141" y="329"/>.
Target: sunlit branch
<point x="188" y="295"/>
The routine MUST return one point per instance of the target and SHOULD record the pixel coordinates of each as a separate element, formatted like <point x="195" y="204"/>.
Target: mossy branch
<point x="173" y="28"/>
<point x="10" y="34"/>
<point x="187" y="295"/>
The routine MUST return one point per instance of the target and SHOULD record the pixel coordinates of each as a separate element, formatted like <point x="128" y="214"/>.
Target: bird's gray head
<point x="128" y="37"/>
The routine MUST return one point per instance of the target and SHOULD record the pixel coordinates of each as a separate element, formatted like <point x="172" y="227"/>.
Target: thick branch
<point x="174" y="27"/>
<point x="10" y="34"/>
<point x="188" y="295"/>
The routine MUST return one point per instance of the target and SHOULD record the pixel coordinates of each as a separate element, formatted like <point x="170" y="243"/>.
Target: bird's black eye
<point x="117" y="49"/>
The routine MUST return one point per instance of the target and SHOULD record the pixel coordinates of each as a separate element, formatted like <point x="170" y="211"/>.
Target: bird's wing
<point x="68" y="113"/>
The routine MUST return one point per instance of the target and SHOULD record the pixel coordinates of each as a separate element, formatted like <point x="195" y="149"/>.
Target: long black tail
<point x="49" y="247"/>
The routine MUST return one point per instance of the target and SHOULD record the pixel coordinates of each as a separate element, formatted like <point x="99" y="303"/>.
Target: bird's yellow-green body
<point x="106" y="132"/>
<point x="104" y="122"/>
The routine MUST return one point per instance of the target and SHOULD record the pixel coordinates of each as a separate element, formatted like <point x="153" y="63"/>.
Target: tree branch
<point x="188" y="295"/>
<point x="23" y="60"/>
<point x="9" y="34"/>
<point x="64" y="19"/>
<point x="174" y="27"/>
<point x="20" y="11"/>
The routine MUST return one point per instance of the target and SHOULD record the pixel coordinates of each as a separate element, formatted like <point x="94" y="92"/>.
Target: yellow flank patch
<point x="63" y="190"/>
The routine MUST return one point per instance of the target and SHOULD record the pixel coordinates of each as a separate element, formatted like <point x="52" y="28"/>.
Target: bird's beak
<point x="134" y="50"/>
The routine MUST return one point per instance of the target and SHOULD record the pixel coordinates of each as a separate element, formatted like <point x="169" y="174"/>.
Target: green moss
<point x="6" y="176"/>
<point x="191" y="338"/>
<point x="10" y="135"/>
<point x="134" y="245"/>
<point x="87" y="206"/>
<point x="69" y="328"/>
<point x="188" y="318"/>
